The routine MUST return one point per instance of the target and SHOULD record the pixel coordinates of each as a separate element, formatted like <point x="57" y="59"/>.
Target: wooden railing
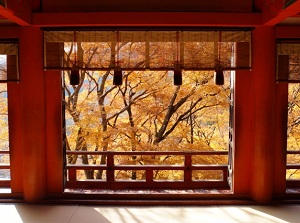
<point x="290" y="183"/>
<point x="148" y="182"/>
<point x="4" y="182"/>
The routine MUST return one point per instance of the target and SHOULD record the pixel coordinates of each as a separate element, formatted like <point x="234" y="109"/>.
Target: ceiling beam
<point x="146" y="19"/>
<point x="10" y="32"/>
<point x="278" y="12"/>
<point x="292" y="32"/>
<point x="18" y="12"/>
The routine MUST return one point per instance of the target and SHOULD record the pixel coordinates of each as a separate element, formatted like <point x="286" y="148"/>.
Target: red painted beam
<point x="279" y="14"/>
<point x="10" y="32"/>
<point x="146" y="19"/>
<point x="287" y="32"/>
<point x="10" y="14"/>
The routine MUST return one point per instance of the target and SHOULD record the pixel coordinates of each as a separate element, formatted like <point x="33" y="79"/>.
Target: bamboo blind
<point x="288" y="61"/>
<point x="9" y="62"/>
<point x="193" y="50"/>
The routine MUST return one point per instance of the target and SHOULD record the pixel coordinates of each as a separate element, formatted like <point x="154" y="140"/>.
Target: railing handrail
<point x="144" y="167"/>
<point x="293" y="151"/>
<point x="4" y="166"/>
<point x="293" y="166"/>
<point x="72" y="152"/>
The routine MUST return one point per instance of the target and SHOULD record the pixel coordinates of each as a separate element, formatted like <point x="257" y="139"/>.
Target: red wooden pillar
<point x="243" y="131"/>
<point x="264" y="104"/>
<point x="54" y="141"/>
<point x="32" y="114"/>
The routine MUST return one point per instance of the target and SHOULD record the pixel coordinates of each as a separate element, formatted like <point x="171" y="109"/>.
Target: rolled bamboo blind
<point x="9" y="71"/>
<point x="194" y="50"/>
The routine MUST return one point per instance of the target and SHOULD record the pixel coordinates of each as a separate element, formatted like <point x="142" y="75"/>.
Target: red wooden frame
<point x="149" y="182"/>
<point x="4" y="183"/>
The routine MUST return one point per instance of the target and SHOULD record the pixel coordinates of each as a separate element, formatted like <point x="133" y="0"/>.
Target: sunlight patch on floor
<point x="26" y="213"/>
<point x="9" y="214"/>
<point x="187" y="214"/>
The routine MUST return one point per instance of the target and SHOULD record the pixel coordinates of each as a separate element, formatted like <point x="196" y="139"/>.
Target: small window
<point x="4" y="140"/>
<point x="148" y="131"/>
<point x="9" y="71"/>
<point x="288" y="67"/>
<point x="293" y="139"/>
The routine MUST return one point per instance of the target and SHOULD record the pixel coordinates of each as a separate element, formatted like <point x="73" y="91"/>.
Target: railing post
<point x="72" y="175"/>
<point x="110" y="173"/>
<point x="188" y="168"/>
<point x="149" y="175"/>
<point x="225" y="175"/>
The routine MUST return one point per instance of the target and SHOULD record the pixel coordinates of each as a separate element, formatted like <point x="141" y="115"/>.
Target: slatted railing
<point x="292" y="183"/>
<point x="4" y="182"/>
<point x="148" y="182"/>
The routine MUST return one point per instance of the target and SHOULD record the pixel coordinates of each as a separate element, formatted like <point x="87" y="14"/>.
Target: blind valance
<point x="9" y="62"/>
<point x="288" y="60"/>
<point x="192" y="50"/>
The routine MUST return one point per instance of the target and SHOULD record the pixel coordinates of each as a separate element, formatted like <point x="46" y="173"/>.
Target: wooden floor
<point x="24" y="213"/>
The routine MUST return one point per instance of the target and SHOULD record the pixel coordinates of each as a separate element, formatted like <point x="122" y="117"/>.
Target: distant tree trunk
<point x="162" y="133"/>
<point x="105" y="141"/>
<point x="132" y="133"/>
<point x="104" y="123"/>
<point x="192" y="126"/>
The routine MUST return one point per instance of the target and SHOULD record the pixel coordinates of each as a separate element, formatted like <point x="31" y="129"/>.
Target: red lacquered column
<point x="243" y="132"/>
<point x="264" y="65"/>
<point x="33" y="114"/>
<point x="53" y="97"/>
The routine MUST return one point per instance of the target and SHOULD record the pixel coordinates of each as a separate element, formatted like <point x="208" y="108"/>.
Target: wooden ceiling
<point x="54" y="13"/>
<point x="153" y="5"/>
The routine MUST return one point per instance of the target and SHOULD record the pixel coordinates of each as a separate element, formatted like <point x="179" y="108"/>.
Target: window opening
<point x="4" y="138"/>
<point x="288" y="61"/>
<point x="293" y="136"/>
<point x="147" y="132"/>
<point x="8" y="73"/>
<point x="9" y="61"/>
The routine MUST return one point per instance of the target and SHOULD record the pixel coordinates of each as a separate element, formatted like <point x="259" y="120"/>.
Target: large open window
<point x="4" y="140"/>
<point x="8" y="73"/>
<point x="148" y="132"/>
<point x="293" y="140"/>
<point x="288" y="61"/>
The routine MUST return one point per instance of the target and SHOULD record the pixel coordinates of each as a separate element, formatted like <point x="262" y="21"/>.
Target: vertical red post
<point x="264" y="64"/>
<point x="243" y="131"/>
<point x="110" y="172"/>
<point x="72" y="175"/>
<point x="188" y="168"/>
<point x="149" y="175"/>
<point x="54" y="141"/>
<point x="33" y="114"/>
